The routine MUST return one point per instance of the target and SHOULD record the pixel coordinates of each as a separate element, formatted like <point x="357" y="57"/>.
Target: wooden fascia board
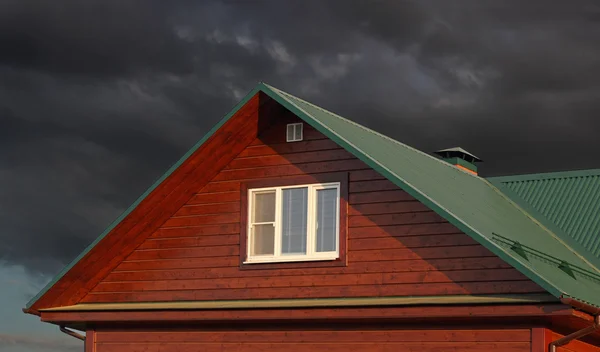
<point x="316" y="313"/>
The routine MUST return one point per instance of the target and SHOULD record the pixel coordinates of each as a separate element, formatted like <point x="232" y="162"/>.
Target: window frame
<point x="295" y="126"/>
<point x="327" y="259"/>
<point x="311" y="229"/>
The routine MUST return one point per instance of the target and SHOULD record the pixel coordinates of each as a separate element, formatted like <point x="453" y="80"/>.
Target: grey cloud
<point x="90" y="37"/>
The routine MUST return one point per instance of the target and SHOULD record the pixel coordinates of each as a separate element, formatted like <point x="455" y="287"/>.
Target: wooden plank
<point x="318" y="347"/>
<point x="411" y="242"/>
<point x="538" y="343"/>
<point x="227" y="186"/>
<point x="422" y="253"/>
<point x="206" y="230"/>
<point x="197" y="220"/>
<point x="179" y="263"/>
<point x="287" y="159"/>
<point x="206" y="209"/>
<point x="413" y="206"/>
<point x="394" y="219"/>
<point x="291" y="170"/>
<point x="372" y="186"/>
<point x="90" y="340"/>
<point x="417" y="265"/>
<point x="402" y="230"/>
<point x="313" y="281"/>
<point x="367" y="174"/>
<point x="402" y="314"/>
<point x="184" y="242"/>
<point x="217" y="197"/>
<point x="502" y="287"/>
<point x="334" y="336"/>
<point x="379" y="197"/>
<point x="193" y="252"/>
<point x="288" y="148"/>
<point x="322" y="336"/>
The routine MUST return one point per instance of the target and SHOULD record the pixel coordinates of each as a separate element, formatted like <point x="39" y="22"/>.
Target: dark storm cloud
<point x="91" y="37"/>
<point x="98" y="98"/>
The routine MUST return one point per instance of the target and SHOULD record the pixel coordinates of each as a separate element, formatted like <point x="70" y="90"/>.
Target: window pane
<point x="293" y="220"/>
<point x="264" y="240"/>
<point x="264" y="207"/>
<point x="290" y="132"/>
<point x="298" y="132"/>
<point x="326" y="220"/>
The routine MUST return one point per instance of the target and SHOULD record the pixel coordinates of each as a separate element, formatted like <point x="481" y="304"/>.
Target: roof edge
<point x="314" y="302"/>
<point x="123" y="215"/>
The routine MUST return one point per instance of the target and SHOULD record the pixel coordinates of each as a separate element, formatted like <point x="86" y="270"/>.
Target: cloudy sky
<point x="99" y="98"/>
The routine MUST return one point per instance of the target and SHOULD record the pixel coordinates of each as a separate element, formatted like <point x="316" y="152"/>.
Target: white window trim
<point x="294" y="126"/>
<point x="311" y="253"/>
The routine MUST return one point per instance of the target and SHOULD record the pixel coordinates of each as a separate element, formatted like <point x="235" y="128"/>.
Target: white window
<point x="295" y="223"/>
<point x="294" y="132"/>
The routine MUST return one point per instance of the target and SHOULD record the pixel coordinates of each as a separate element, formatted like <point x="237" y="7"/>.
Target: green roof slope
<point x="567" y="202"/>
<point x="469" y="202"/>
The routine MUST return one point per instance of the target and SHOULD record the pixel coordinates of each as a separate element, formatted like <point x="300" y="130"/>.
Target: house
<point x="290" y="228"/>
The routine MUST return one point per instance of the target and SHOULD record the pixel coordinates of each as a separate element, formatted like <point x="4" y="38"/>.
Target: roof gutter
<point x="72" y="333"/>
<point x="588" y="308"/>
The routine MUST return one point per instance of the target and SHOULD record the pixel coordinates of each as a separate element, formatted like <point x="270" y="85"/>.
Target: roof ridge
<point x="375" y="132"/>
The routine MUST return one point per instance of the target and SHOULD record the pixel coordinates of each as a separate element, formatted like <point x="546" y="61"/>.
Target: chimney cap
<point x="457" y="151"/>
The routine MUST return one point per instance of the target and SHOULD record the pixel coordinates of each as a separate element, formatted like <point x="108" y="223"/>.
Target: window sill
<point x="290" y="260"/>
<point x="292" y="263"/>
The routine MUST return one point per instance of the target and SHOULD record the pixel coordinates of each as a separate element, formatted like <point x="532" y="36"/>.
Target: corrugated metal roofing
<point x="567" y="201"/>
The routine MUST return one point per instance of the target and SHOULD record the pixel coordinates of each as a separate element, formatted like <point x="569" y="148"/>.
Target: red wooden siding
<point x="573" y="346"/>
<point x="396" y="246"/>
<point x="371" y="340"/>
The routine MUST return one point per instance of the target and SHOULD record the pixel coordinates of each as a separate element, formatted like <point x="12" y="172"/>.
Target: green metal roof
<point x="567" y="202"/>
<point x="469" y="202"/>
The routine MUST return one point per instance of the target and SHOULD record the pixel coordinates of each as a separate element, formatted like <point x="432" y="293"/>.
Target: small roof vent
<point x="460" y="158"/>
